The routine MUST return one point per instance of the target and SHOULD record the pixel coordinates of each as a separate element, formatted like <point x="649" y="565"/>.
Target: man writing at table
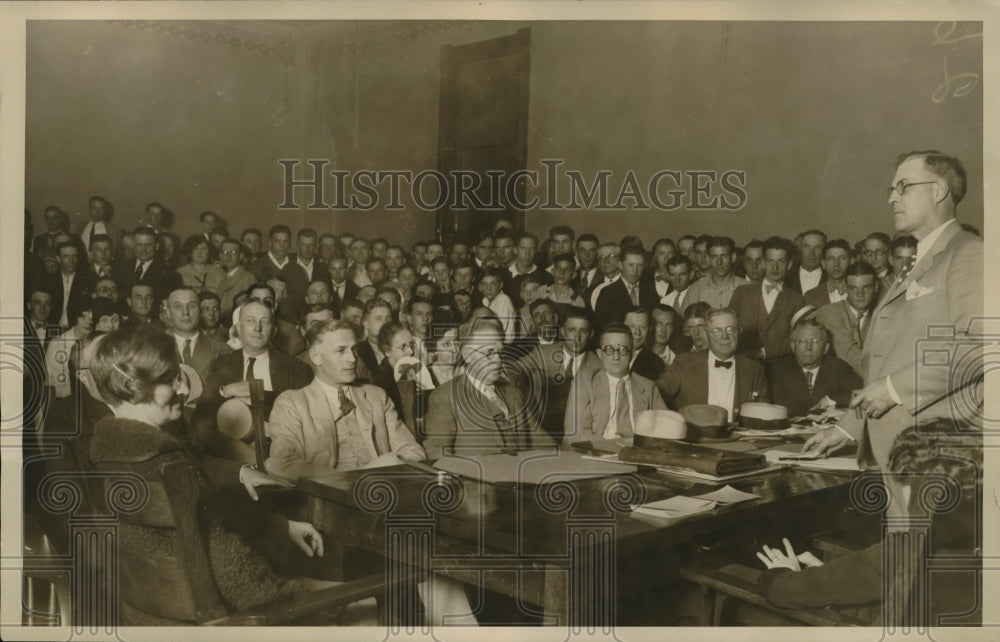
<point x="943" y="289"/>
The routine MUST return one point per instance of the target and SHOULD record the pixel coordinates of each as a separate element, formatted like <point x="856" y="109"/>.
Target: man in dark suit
<point x="278" y="262"/>
<point x="99" y="223"/>
<point x="101" y="254"/>
<point x="809" y="273"/>
<point x="303" y="268"/>
<point x="145" y="267"/>
<point x="478" y="412"/>
<point x="644" y="361"/>
<point x="198" y="349"/>
<point x="341" y="288"/>
<point x="764" y="310"/>
<point x="56" y="221"/>
<point x="627" y="292"/>
<point x="547" y="371"/>
<point x="227" y="377"/>
<point x="836" y="260"/>
<point x="799" y="381"/>
<point x="716" y="376"/>
<point x="377" y="313"/>
<point x="69" y="284"/>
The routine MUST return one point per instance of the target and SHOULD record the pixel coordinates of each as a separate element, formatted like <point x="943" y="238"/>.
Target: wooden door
<point x="483" y="128"/>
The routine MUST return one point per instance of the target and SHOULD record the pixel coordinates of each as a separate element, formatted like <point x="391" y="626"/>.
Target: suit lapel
<point x="602" y="391"/>
<point x="364" y="415"/>
<point x="639" y="397"/>
<point x="318" y="407"/>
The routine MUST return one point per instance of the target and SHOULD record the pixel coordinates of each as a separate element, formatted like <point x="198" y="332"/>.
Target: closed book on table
<point x="700" y="459"/>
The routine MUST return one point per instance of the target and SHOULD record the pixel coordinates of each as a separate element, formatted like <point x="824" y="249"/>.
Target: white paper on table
<point x="728" y="495"/>
<point x="676" y="506"/>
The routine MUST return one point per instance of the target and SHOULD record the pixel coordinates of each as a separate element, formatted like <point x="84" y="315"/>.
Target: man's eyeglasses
<point x="900" y="187"/>
<point x="876" y="253"/>
<point x="489" y="353"/>
<point x="805" y="343"/>
<point x="621" y="351"/>
<point x="731" y="331"/>
<point x="412" y="345"/>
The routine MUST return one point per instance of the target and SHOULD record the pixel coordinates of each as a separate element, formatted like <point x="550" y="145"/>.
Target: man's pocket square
<point x="914" y="291"/>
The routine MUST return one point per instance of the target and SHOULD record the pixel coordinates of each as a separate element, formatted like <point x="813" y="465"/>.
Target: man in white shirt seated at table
<point x="603" y="404"/>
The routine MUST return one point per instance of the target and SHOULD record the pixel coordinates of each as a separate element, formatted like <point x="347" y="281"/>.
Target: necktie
<point x="861" y="328"/>
<point x="633" y="293"/>
<point x="491" y="394"/>
<point x="138" y="270"/>
<point x="723" y="364"/>
<point x="346" y="405"/>
<point x="623" y="414"/>
<point x="186" y="353"/>
<point x="809" y="381"/>
<point x="90" y="237"/>
<point x="249" y="374"/>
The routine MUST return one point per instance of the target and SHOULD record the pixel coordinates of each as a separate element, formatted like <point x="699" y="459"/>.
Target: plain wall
<point x="814" y="113"/>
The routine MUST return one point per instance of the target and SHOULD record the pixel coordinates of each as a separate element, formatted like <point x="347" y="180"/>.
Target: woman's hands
<point x="306" y="537"/>
<point x="775" y="558"/>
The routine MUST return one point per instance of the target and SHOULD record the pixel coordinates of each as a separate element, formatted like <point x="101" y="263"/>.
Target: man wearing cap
<point x="717" y="376"/>
<point x="801" y="380"/>
<point x="604" y="404"/>
<point x="925" y="324"/>
<point x="227" y="377"/>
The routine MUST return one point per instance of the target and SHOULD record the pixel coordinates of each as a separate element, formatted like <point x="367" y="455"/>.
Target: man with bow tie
<point x="939" y="304"/>
<point x="765" y="309"/>
<point x="716" y="376"/>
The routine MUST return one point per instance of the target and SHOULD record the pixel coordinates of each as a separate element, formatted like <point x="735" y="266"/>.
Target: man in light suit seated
<point x="479" y="411"/>
<point x="604" y="404"/>
<point x="331" y="423"/>
<point x="717" y="376"/>
<point x="801" y="380"/>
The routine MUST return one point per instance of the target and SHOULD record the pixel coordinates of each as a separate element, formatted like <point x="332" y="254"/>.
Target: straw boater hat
<point x="756" y="415"/>
<point x="660" y="424"/>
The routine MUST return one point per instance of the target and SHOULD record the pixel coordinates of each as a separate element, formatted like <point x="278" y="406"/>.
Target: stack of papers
<point x="680" y="506"/>
<point x="849" y="464"/>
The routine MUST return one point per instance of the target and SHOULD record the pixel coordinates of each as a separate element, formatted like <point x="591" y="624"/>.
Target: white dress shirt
<point x="307" y="267"/>
<point x="676" y="299"/>
<point x="273" y="259"/>
<point x="99" y="228"/>
<point x="809" y="280"/>
<point x="261" y="368"/>
<point x="179" y="340"/>
<point x="721" y="383"/>
<point x="611" y="431"/>
<point x="929" y="240"/>
<point x="772" y="296"/>
<point x="67" y="282"/>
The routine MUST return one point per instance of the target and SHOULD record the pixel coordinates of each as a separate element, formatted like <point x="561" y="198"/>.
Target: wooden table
<point x="569" y="550"/>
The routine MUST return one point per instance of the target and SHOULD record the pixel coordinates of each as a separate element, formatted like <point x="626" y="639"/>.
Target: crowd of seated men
<point x="371" y="351"/>
<point x="554" y="303"/>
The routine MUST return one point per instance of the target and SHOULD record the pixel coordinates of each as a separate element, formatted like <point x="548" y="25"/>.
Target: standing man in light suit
<point x="944" y="289"/>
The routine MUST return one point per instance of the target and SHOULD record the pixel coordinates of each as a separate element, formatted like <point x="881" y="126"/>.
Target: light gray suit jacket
<point x="303" y="434"/>
<point x="923" y="336"/>
<point x="588" y="408"/>
<point x="839" y="320"/>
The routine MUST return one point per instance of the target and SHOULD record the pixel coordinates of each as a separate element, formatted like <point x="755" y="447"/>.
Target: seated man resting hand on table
<point x="333" y="424"/>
